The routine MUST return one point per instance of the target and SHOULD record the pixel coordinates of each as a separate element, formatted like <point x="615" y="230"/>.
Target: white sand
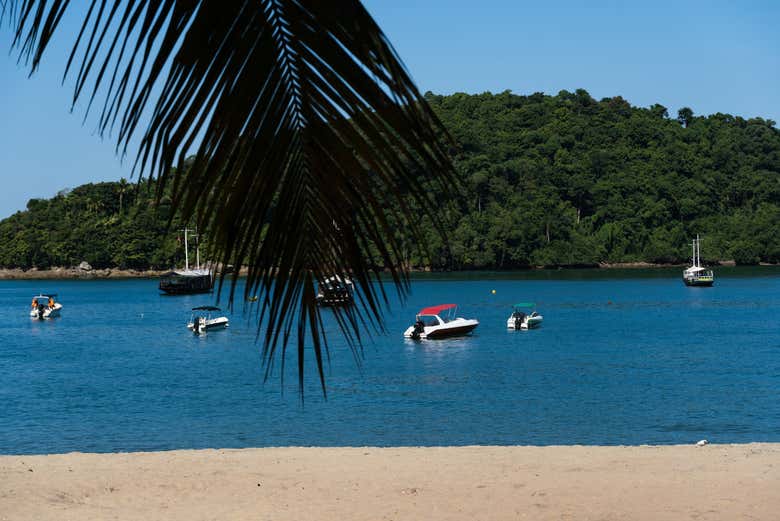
<point x="724" y="482"/>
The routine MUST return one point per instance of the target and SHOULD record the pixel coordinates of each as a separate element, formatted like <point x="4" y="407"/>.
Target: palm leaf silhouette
<point x="311" y="141"/>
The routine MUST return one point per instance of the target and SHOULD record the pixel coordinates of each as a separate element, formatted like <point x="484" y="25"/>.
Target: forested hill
<point x="109" y="225"/>
<point x="548" y="180"/>
<point x="566" y="179"/>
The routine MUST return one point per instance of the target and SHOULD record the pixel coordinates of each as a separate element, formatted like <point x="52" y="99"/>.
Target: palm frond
<point x="311" y="139"/>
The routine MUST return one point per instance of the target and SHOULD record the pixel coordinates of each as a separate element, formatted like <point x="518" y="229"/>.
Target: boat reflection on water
<point x="450" y="348"/>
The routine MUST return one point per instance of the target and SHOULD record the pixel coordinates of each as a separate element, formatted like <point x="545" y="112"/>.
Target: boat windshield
<point x="429" y="320"/>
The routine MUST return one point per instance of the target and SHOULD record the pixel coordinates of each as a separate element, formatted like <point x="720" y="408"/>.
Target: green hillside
<point x="109" y="225"/>
<point x="548" y="180"/>
<point x="566" y="179"/>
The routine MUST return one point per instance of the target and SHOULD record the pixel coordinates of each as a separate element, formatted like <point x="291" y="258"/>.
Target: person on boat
<point x="51" y="302"/>
<point x="34" y="304"/>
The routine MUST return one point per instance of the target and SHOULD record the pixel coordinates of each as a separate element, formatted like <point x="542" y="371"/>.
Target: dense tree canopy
<point x="109" y="225"/>
<point x="550" y="180"/>
<point x="566" y="179"/>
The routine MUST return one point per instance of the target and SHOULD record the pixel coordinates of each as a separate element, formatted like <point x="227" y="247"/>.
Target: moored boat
<point x="44" y="306"/>
<point x="524" y="316"/>
<point x="698" y="275"/>
<point x="199" y="324"/>
<point x="335" y="291"/>
<point x="430" y="324"/>
<point x="187" y="281"/>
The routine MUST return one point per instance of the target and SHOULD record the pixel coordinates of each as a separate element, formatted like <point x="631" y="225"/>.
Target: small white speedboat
<point x="44" y="307"/>
<point x="430" y="324"/>
<point x="199" y="324"/>
<point x="524" y="316"/>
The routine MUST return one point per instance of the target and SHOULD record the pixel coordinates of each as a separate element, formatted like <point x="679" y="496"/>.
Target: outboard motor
<point x="519" y="316"/>
<point x="419" y="328"/>
<point x="196" y="323"/>
<point x="41" y="310"/>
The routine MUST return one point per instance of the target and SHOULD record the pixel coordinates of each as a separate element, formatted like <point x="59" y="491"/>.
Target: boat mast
<point x="186" y="252"/>
<point x="187" y="248"/>
<point x="197" y="248"/>
<point x="698" y="251"/>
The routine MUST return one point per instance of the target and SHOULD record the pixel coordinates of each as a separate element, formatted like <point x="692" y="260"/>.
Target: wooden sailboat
<point x="187" y="281"/>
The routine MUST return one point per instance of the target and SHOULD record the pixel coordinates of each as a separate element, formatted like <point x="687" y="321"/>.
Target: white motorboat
<point x="199" y="323"/>
<point x="524" y="316"/>
<point x="44" y="307"/>
<point x="698" y="275"/>
<point x="335" y="291"/>
<point x="430" y="324"/>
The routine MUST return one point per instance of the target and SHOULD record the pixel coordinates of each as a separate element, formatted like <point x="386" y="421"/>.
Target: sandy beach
<point x="712" y="482"/>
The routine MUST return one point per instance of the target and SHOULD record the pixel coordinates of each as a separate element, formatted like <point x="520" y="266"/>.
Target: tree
<point x="122" y="189"/>
<point x="685" y="116"/>
<point x="659" y="110"/>
<point x="313" y="138"/>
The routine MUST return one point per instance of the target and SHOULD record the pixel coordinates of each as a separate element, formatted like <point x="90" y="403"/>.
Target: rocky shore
<point x="75" y="273"/>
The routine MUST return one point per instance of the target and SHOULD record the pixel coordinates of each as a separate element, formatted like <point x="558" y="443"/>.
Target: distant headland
<point x="556" y="181"/>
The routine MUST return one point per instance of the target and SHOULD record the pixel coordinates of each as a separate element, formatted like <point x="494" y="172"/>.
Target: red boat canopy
<point x="435" y="310"/>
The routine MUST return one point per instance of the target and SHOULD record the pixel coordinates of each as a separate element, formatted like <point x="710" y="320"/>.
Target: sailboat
<point x="698" y="275"/>
<point x="187" y="281"/>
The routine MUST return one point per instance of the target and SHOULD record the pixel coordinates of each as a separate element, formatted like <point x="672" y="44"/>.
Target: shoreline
<point x="59" y="273"/>
<point x="670" y="482"/>
<point x="76" y="274"/>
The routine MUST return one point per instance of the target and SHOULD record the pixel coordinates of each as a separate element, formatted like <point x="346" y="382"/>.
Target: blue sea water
<point x="623" y="357"/>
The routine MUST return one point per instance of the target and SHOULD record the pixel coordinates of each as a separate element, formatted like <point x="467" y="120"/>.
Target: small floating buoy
<point x="253" y="298"/>
<point x="493" y="292"/>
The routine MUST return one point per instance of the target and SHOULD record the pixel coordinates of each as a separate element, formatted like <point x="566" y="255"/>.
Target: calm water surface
<point x="623" y="357"/>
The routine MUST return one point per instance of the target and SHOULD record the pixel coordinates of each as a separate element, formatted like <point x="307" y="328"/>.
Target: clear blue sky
<point x="712" y="56"/>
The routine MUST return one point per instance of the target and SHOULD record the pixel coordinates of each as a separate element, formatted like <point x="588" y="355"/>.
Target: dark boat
<point x="182" y="282"/>
<point x="335" y="291"/>
<point x="187" y="281"/>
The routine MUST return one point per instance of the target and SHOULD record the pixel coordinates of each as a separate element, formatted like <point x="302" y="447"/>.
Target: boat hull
<point x="214" y="323"/>
<point x="451" y="331"/>
<point x="534" y="322"/>
<point x="698" y="282"/>
<point x="186" y="285"/>
<point x="335" y="300"/>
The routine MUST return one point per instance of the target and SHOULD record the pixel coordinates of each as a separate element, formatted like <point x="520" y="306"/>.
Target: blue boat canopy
<point x="525" y="305"/>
